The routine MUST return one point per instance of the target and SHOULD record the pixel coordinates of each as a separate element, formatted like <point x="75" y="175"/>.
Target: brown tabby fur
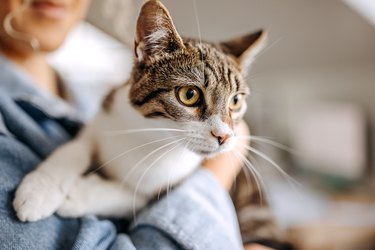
<point x="217" y="69"/>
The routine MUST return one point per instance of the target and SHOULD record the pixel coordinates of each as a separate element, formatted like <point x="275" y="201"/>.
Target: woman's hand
<point x="226" y="166"/>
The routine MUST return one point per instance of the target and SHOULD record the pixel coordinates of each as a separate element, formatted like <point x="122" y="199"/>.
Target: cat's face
<point x="196" y="84"/>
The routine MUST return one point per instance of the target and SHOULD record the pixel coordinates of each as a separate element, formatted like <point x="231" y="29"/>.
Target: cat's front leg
<point x="43" y="191"/>
<point x="97" y="196"/>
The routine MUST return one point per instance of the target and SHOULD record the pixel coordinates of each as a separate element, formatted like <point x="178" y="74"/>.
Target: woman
<point x="35" y="119"/>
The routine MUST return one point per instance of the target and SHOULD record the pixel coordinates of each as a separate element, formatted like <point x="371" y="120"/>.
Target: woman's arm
<point x="196" y="215"/>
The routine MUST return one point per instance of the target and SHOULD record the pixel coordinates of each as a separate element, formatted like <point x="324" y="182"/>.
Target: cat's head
<point x="198" y="85"/>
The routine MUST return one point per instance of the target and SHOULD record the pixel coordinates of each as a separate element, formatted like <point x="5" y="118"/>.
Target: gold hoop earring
<point x="7" y="24"/>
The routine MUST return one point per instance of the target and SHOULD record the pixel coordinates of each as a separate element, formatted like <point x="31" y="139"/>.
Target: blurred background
<point x="313" y="91"/>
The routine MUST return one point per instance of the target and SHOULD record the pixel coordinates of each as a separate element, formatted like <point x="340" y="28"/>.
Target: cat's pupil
<point x="235" y="99"/>
<point x="190" y="94"/>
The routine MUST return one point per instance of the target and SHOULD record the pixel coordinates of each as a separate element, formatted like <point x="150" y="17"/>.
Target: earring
<point x="7" y="24"/>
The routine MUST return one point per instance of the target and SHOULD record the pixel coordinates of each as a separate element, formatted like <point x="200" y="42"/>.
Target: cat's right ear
<point x="245" y="48"/>
<point x="156" y="33"/>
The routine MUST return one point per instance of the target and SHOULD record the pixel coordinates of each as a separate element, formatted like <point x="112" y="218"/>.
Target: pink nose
<point x="221" y="138"/>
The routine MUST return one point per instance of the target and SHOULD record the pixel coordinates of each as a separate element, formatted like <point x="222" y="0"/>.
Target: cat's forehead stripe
<point x="213" y="70"/>
<point x="203" y="65"/>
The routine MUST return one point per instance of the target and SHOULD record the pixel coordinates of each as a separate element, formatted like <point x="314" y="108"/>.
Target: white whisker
<point x="199" y="34"/>
<point x="148" y="155"/>
<point x="272" y="143"/>
<point x="257" y="176"/>
<point x="130" y="150"/>
<point x="181" y="158"/>
<point x="247" y="176"/>
<point x="131" y="131"/>
<point x="273" y="163"/>
<point x="146" y="170"/>
<point x="267" y="48"/>
<point x="197" y="21"/>
<point x="233" y="166"/>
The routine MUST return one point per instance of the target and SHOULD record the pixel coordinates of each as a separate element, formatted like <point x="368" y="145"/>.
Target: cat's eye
<point x="236" y="102"/>
<point x="188" y="96"/>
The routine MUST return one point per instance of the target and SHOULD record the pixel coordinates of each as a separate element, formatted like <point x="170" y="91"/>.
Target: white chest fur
<point x="145" y="160"/>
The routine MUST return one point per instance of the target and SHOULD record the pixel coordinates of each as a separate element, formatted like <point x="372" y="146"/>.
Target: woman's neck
<point x="36" y="65"/>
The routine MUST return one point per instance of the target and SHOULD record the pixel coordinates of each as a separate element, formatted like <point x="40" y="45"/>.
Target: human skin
<point x="49" y="22"/>
<point x="226" y="166"/>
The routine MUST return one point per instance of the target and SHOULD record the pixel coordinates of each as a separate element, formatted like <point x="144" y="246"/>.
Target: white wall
<point x="279" y="96"/>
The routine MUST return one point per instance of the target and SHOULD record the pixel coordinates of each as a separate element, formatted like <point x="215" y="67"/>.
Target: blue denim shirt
<point x="198" y="214"/>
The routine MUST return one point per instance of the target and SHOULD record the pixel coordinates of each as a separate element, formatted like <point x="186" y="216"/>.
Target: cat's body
<point x="188" y="95"/>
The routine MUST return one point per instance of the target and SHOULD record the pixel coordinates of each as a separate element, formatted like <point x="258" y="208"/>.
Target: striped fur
<point x="218" y="70"/>
<point x="164" y="64"/>
<point x="204" y="65"/>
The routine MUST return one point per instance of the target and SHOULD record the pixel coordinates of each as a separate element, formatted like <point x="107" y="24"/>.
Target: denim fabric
<point x="196" y="215"/>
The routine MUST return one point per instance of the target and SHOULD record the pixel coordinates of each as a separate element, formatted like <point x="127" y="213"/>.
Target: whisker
<point x="181" y="158"/>
<point x="197" y="21"/>
<point x="270" y="142"/>
<point x="273" y="163"/>
<point x="128" y="151"/>
<point x="233" y="166"/>
<point x="260" y="54"/>
<point x="255" y="163"/>
<point x="199" y="33"/>
<point x="148" y="155"/>
<point x="256" y="76"/>
<point x="257" y="176"/>
<point x="248" y="177"/>
<point x="170" y="170"/>
<point x="131" y="131"/>
<point x="145" y="172"/>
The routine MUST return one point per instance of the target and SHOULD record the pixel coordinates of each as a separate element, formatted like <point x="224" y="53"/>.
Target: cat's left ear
<point x="246" y="48"/>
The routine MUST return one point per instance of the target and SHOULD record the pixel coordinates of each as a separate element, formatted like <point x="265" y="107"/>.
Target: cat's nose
<point x="221" y="137"/>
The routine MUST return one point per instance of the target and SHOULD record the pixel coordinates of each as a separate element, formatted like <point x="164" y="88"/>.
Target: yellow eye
<point x="236" y="102"/>
<point x="188" y="96"/>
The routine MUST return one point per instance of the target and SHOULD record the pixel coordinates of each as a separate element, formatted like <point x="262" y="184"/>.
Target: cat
<point x="180" y="105"/>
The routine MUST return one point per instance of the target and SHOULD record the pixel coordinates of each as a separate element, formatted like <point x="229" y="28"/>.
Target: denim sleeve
<point x="196" y="215"/>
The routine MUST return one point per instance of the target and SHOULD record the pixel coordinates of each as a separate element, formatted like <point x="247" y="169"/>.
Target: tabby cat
<point x="180" y="105"/>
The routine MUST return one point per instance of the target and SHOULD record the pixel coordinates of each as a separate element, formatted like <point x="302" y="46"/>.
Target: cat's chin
<point x="212" y="153"/>
<point x="208" y="154"/>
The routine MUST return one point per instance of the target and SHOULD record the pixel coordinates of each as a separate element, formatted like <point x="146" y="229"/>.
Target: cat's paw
<point x="38" y="197"/>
